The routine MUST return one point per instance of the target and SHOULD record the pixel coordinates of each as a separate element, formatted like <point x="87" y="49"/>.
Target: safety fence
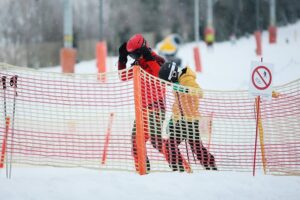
<point x="132" y="121"/>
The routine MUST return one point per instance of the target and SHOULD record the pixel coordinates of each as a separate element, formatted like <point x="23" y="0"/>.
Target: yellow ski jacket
<point x="186" y="105"/>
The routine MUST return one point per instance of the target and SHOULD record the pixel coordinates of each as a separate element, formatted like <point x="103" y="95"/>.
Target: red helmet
<point x="135" y="42"/>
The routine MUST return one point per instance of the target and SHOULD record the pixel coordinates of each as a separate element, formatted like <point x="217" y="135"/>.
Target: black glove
<point x="183" y="71"/>
<point x="146" y="52"/>
<point x="123" y="53"/>
<point x="160" y="60"/>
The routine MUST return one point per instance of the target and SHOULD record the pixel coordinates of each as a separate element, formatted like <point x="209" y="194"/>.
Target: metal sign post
<point x="68" y="54"/>
<point x="68" y="24"/>
<point x="196" y="15"/>
<point x="260" y="85"/>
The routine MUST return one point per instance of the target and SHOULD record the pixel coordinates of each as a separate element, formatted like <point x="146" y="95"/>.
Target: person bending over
<point x="184" y="123"/>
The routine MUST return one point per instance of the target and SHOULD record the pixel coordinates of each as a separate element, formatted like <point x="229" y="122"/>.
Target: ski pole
<point x="4" y="94"/>
<point x="3" y="148"/>
<point x="13" y="83"/>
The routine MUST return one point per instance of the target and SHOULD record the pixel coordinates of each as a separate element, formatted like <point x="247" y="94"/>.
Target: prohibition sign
<point x="261" y="77"/>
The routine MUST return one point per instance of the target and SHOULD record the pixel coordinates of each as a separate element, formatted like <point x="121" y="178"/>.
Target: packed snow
<point x="226" y="66"/>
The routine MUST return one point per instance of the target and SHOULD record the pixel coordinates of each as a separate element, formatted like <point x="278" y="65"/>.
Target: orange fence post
<point x="272" y="34"/>
<point x="107" y="137"/>
<point x="3" y="149"/>
<point x="140" y="135"/>
<point x="68" y="59"/>
<point x="101" y="54"/>
<point x="257" y="35"/>
<point x="197" y="59"/>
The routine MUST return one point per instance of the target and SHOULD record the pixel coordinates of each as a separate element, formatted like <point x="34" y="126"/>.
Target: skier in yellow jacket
<point x="184" y="124"/>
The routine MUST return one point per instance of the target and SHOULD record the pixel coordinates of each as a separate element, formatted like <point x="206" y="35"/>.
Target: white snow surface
<point x="225" y="67"/>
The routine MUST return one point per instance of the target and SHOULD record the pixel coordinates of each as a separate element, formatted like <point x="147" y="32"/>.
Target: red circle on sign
<point x="267" y="84"/>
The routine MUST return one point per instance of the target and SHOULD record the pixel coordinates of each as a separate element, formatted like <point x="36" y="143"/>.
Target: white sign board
<point x="261" y="79"/>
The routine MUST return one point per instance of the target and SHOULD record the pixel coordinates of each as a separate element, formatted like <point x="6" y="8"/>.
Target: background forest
<point x="31" y="31"/>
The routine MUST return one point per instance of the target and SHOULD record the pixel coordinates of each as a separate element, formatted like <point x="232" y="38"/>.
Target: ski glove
<point x="183" y="71"/>
<point x="123" y="53"/>
<point x="146" y="52"/>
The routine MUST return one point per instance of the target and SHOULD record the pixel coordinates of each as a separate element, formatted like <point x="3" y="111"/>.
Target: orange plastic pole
<point x="101" y="54"/>
<point x="257" y="35"/>
<point x="140" y="135"/>
<point x="198" y="65"/>
<point x="3" y="149"/>
<point x="68" y="59"/>
<point x="272" y="34"/>
<point x="107" y="137"/>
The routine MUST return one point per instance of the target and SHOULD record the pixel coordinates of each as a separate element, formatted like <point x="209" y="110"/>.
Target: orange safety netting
<point x="133" y="121"/>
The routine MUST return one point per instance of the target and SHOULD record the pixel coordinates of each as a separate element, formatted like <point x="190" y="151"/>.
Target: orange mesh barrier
<point x="72" y="120"/>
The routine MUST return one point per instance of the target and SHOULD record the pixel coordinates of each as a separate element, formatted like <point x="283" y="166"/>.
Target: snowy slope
<point x="65" y="184"/>
<point x="226" y="66"/>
